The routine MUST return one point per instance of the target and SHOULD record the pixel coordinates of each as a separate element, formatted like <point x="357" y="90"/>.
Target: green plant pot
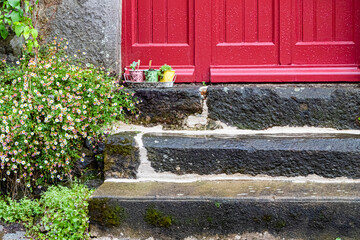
<point x="151" y="76"/>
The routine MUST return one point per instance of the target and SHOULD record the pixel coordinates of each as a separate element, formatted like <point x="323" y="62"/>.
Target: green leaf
<point x="26" y="33"/>
<point x="19" y="28"/>
<point x="14" y="3"/>
<point x="30" y="46"/>
<point x="34" y="33"/>
<point x="3" y="31"/>
<point x="15" y="16"/>
<point x="27" y="6"/>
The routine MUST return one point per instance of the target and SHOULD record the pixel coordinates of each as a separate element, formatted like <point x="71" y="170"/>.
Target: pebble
<point x="19" y="235"/>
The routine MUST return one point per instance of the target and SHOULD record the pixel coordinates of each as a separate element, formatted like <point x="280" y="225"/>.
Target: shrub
<point x="47" y="108"/>
<point x="61" y="213"/>
<point x="24" y="210"/>
<point x="65" y="213"/>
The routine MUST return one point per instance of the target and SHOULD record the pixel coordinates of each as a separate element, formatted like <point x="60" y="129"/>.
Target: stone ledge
<point x="330" y="156"/>
<point x="178" y="210"/>
<point x="260" y="106"/>
<point x="121" y="158"/>
<point x="168" y="106"/>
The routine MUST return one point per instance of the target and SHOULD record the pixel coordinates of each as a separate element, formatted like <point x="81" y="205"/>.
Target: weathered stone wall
<point x="91" y="26"/>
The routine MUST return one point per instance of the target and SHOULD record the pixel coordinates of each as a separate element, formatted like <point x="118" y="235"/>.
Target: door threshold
<point x="285" y="74"/>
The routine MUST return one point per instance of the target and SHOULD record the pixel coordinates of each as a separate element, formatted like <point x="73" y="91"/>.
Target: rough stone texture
<point x="90" y="170"/>
<point x="121" y="156"/>
<point x="229" y="207"/>
<point x="12" y="231"/>
<point x="324" y="155"/>
<point x="263" y="106"/>
<point x="168" y="106"/>
<point x="10" y="48"/>
<point x="91" y="26"/>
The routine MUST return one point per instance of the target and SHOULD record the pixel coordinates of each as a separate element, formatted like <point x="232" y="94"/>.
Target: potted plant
<point x="151" y="75"/>
<point x="136" y="75"/>
<point x="166" y="73"/>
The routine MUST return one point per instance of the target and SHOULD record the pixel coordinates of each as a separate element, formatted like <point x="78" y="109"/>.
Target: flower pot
<point x="137" y="75"/>
<point x="151" y="76"/>
<point x="168" y="76"/>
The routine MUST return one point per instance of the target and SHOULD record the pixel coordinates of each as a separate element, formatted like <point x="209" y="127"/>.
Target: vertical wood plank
<point x="234" y="21"/>
<point x="178" y="21"/>
<point x="203" y="23"/>
<point x="251" y="21"/>
<point x="144" y="21"/>
<point x="356" y="29"/>
<point x="220" y="20"/>
<point x="159" y="21"/>
<point x="344" y="23"/>
<point x="286" y="31"/>
<point x="324" y="28"/>
<point x="307" y="24"/>
<point x="266" y="20"/>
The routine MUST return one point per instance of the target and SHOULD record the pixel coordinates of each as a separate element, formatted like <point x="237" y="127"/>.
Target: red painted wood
<point x="245" y="40"/>
<point x="286" y="29"/>
<point x="251" y="20"/>
<point x="178" y="21"/>
<point x="241" y="46"/>
<point x="203" y="27"/>
<point x="285" y="74"/>
<point x="266" y="26"/>
<point x="322" y="47"/>
<point x="162" y="31"/>
<point x="159" y="23"/>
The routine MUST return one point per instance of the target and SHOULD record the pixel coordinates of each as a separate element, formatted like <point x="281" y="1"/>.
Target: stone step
<point x="251" y="106"/>
<point x="226" y="210"/>
<point x="289" y="155"/>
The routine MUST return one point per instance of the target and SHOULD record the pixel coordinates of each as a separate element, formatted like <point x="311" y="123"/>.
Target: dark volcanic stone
<point x="284" y="209"/>
<point x="121" y="156"/>
<point x="323" y="155"/>
<point x="264" y="106"/>
<point x="168" y="106"/>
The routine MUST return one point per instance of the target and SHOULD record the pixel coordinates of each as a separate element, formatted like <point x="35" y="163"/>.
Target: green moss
<point x="125" y="149"/>
<point x="267" y="218"/>
<point x="156" y="218"/>
<point x="279" y="224"/>
<point x="104" y="213"/>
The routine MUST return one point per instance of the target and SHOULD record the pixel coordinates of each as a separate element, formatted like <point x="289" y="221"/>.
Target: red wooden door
<point x="161" y="31"/>
<point x="246" y="40"/>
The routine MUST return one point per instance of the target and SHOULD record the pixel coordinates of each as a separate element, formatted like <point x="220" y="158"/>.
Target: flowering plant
<point x="47" y="109"/>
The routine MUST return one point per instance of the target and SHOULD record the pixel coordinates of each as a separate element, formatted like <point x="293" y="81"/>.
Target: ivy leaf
<point x="14" y="3"/>
<point x="30" y="46"/>
<point x="34" y="33"/>
<point x="36" y="44"/>
<point x="15" y="16"/>
<point x="3" y="31"/>
<point x="27" y="6"/>
<point x="19" y="28"/>
<point x="26" y="32"/>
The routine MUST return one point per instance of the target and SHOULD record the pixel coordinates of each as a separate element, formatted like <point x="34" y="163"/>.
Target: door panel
<point x="244" y="32"/>
<point x="324" y="32"/>
<point x="161" y="31"/>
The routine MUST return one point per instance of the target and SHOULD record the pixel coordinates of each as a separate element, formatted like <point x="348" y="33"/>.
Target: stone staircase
<point x="210" y="173"/>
